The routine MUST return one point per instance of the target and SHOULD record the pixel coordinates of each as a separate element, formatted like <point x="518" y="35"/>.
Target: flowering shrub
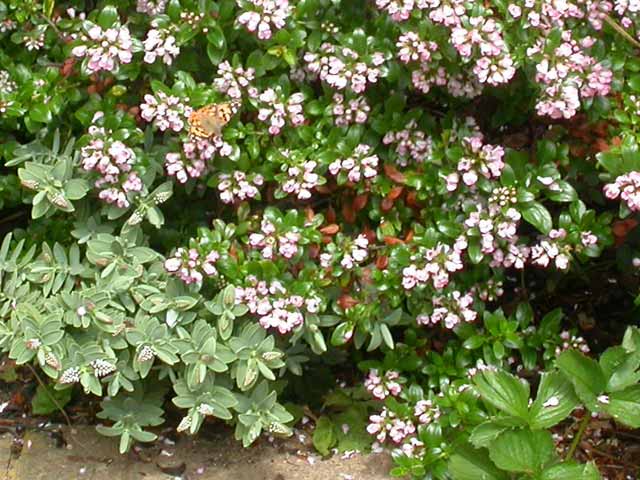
<point x="393" y="183"/>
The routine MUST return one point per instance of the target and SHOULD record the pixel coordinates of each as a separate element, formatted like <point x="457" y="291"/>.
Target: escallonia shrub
<point x="225" y="193"/>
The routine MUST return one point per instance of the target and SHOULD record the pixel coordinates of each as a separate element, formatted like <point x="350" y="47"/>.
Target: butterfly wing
<point x="208" y="121"/>
<point x="196" y="127"/>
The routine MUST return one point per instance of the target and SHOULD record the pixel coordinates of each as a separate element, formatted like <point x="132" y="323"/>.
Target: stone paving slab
<point x="89" y="456"/>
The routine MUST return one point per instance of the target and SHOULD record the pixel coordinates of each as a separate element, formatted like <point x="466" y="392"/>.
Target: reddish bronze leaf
<point x="394" y="174"/>
<point x="360" y="201"/>
<point x="393" y="240"/>
<point x="331" y="229"/>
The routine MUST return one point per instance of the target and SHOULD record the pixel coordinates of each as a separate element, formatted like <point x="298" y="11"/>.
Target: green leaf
<point x="342" y="333"/>
<point x="537" y="215"/>
<point x="554" y="402"/>
<point x="624" y="406"/>
<point x="217" y="44"/>
<point x="571" y="471"/>
<point x="108" y="16"/>
<point x="631" y="340"/>
<point x="565" y="192"/>
<point x="476" y="341"/>
<point x="324" y="437"/>
<point x="546" y="151"/>
<point x="485" y="433"/>
<point x="585" y="374"/>
<point x="142" y="436"/>
<point x="470" y="464"/>
<point x="76" y="188"/>
<point x="504" y="391"/>
<point x="125" y="442"/>
<point x="626" y="373"/>
<point x="47" y="7"/>
<point x="525" y="451"/>
<point x="40" y="113"/>
<point x="43" y="402"/>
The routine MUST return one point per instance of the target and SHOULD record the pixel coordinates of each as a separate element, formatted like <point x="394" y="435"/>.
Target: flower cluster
<point x="70" y="375"/>
<point x="190" y="266"/>
<point x="572" y="341"/>
<point x="239" y="186"/>
<point x="627" y="187"/>
<point x="398" y="10"/>
<point x="7" y="86"/>
<point x="410" y="144"/>
<point x="450" y="310"/>
<point x="479" y="159"/>
<point x="102" y="368"/>
<point x="196" y="152"/>
<point x="342" y="67"/>
<point x="274" y="306"/>
<point x="383" y="386"/>
<point x="459" y="85"/>
<point x="567" y="75"/>
<point x="439" y="262"/>
<point x="105" y="49"/>
<point x="388" y="424"/>
<point x="35" y="41"/>
<point x="160" y="43"/>
<point x="426" y="412"/>
<point x="475" y="35"/>
<point x="269" y="241"/>
<point x="550" y="249"/>
<point x="275" y="109"/>
<point x="184" y="168"/>
<point x="300" y="180"/>
<point x="264" y="16"/>
<point x="151" y="7"/>
<point x="348" y="112"/>
<point x="362" y="164"/>
<point x="496" y="226"/>
<point x="146" y="354"/>
<point x="167" y="112"/>
<point x="411" y="48"/>
<point x="352" y="253"/>
<point x="234" y="81"/>
<point x="494" y="64"/>
<point x="112" y="160"/>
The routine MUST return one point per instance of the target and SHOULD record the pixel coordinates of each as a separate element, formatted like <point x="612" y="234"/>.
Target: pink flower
<point x="360" y="166"/>
<point x="264" y="16"/>
<point x="151" y="7"/>
<point x="275" y="109"/>
<point x="167" y="112"/>
<point x="381" y="387"/>
<point x="274" y="306"/>
<point x="234" y="81"/>
<point x="105" y="49"/>
<point x="189" y="266"/>
<point x="354" y="111"/>
<point x="112" y="161"/>
<point x="342" y="67"/>
<point x="301" y="179"/>
<point x="410" y="143"/>
<point x="160" y="43"/>
<point x="239" y="186"/>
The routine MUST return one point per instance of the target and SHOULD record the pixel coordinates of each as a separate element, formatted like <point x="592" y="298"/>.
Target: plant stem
<point x="51" y="397"/>
<point x="13" y="216"/>
<point x="523" y="286"/>
<point x="576" y="439"/>
<point x="613" y="24"/>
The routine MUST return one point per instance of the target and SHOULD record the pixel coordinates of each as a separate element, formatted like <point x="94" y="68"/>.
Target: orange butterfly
<point x="207" y="122"/>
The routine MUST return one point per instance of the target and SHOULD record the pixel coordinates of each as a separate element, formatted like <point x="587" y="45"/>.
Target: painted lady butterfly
<point x="207" y="122"/>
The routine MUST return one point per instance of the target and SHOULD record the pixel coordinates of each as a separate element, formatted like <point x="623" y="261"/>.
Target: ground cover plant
<point x="227" y="208"/>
